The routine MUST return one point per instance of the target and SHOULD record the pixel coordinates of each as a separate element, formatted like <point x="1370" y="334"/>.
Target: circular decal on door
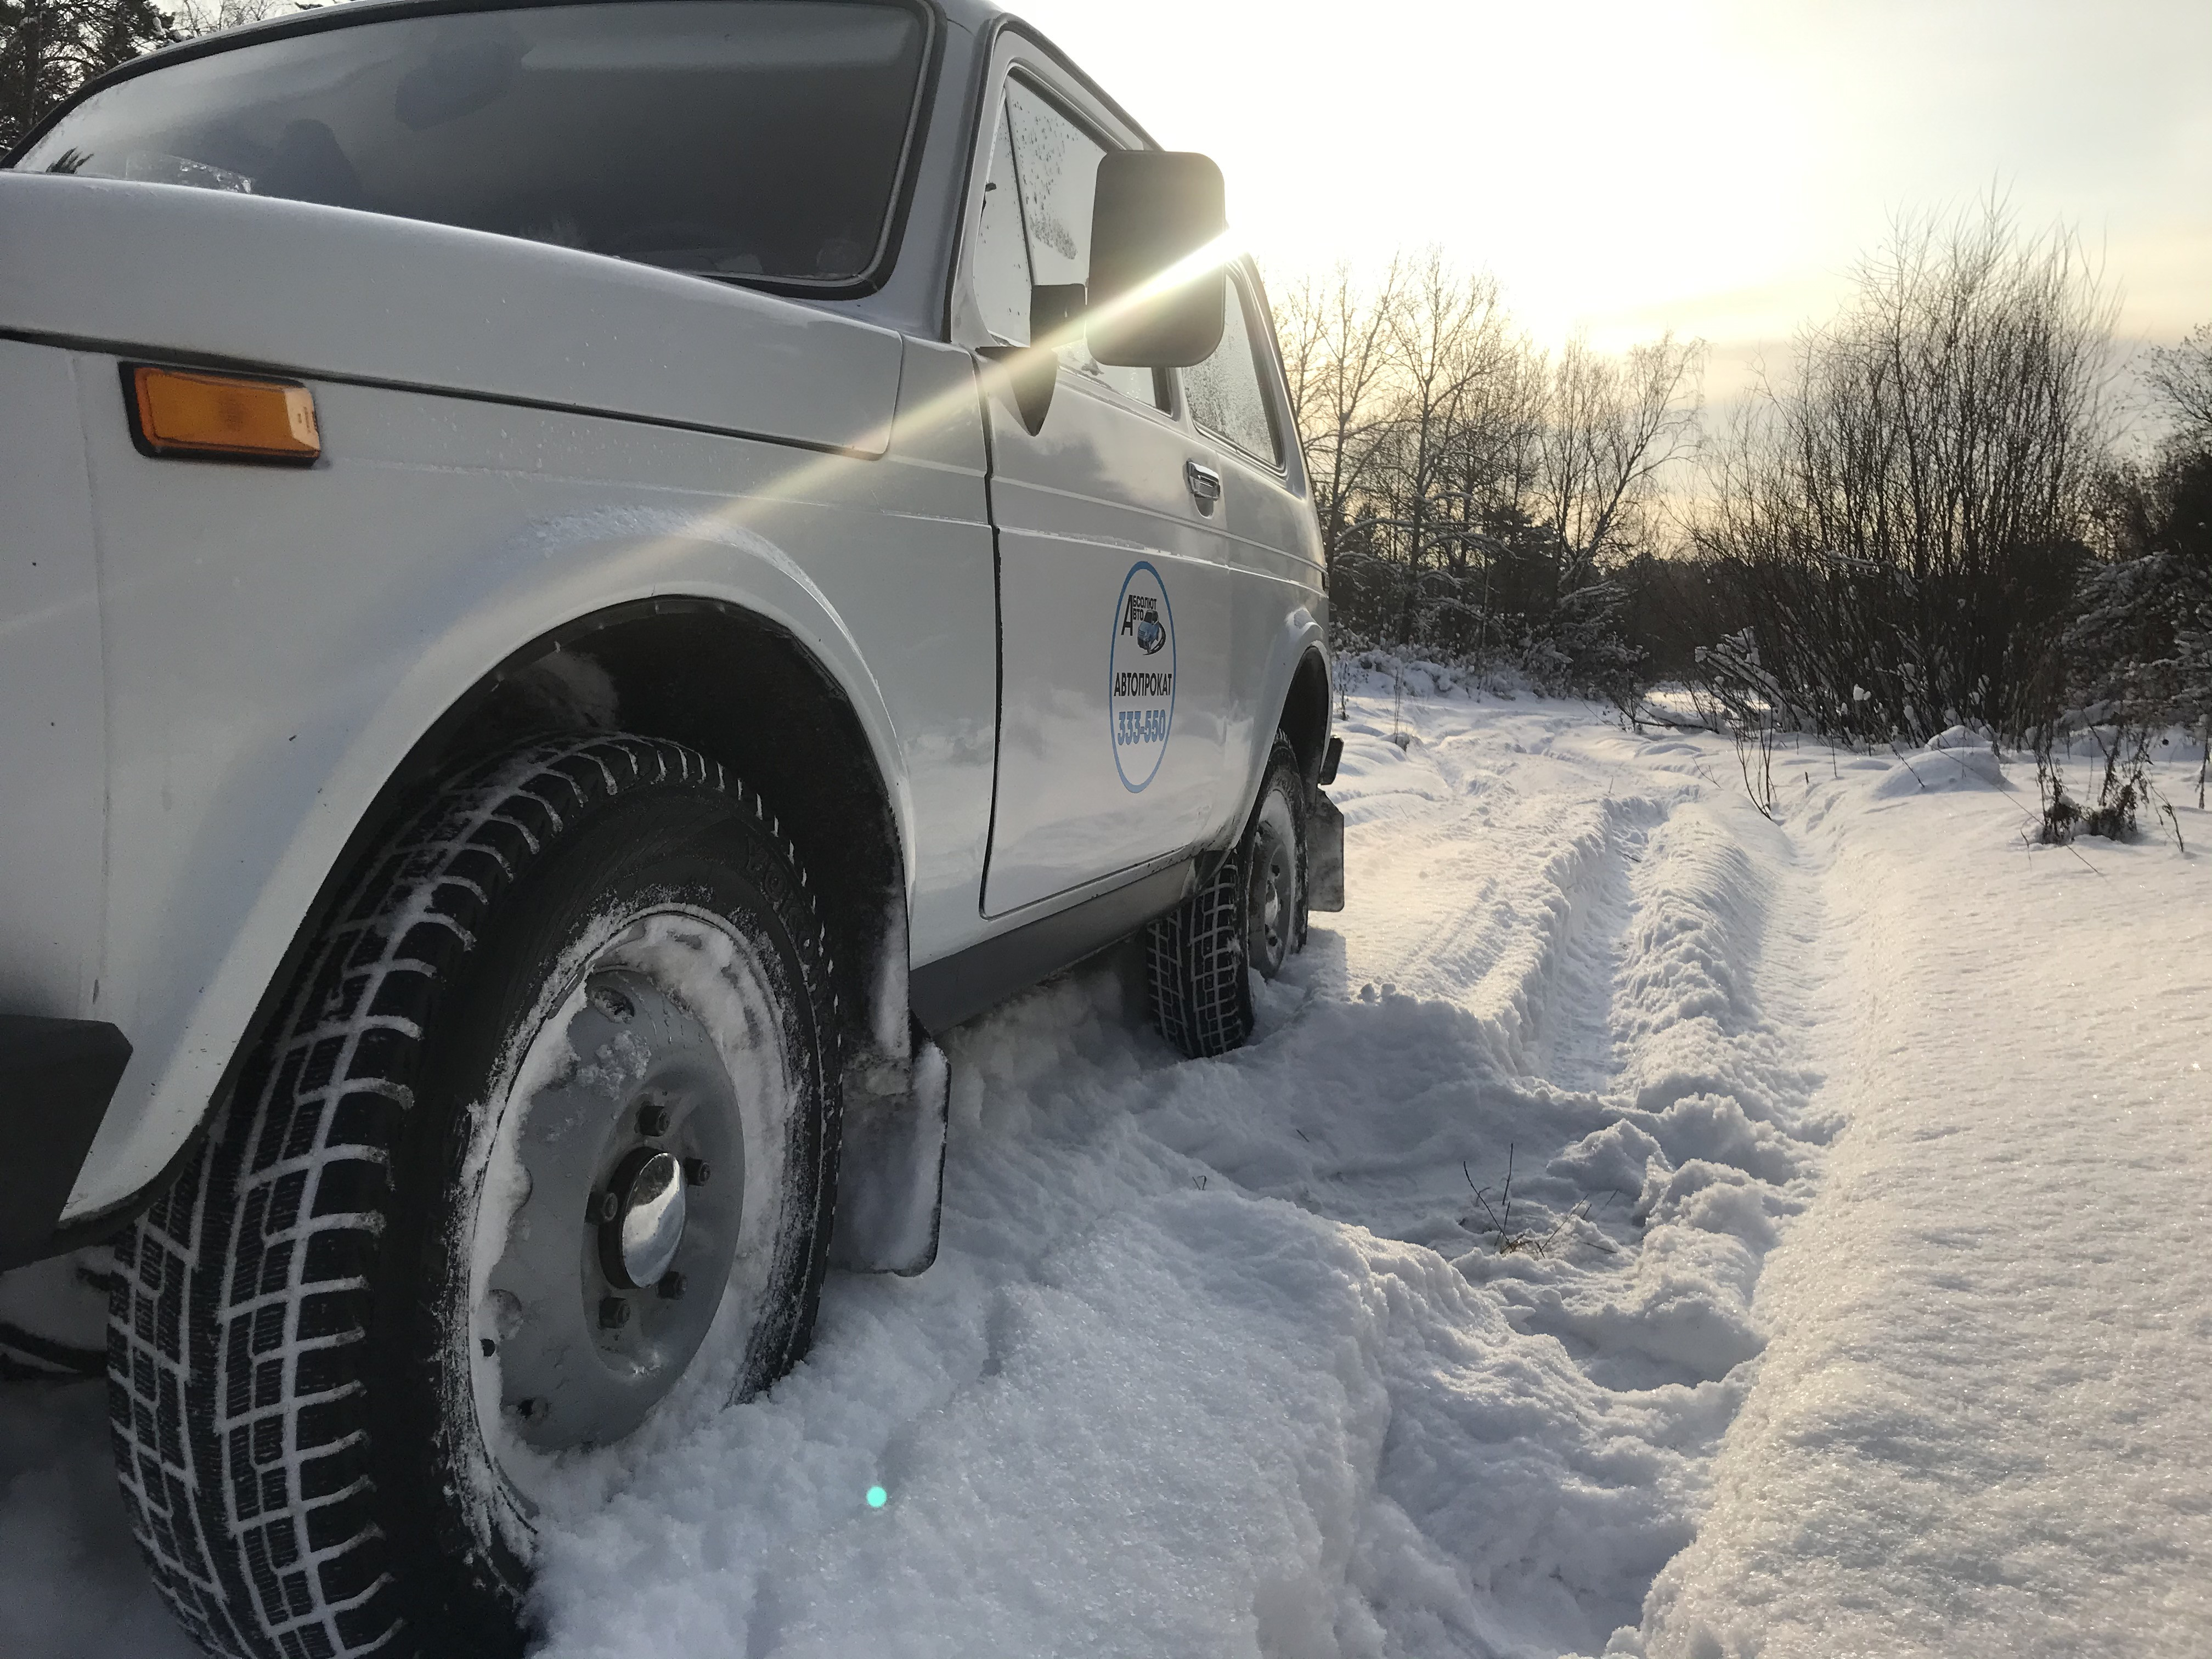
<point x="1140" y="703"/>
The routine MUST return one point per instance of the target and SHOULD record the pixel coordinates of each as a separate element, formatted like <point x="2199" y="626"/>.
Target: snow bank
<point x="1984" y="1425"/>
<point x="1231" y="1357"/>
<point x="1637" y="1227"/>
<point x="1226" y="1357"/>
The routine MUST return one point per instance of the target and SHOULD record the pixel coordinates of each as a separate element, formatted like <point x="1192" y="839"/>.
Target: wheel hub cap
<point x="638" y="1246"/>
<point x="1271" y="898"/>
<point x="631" y="1163"/>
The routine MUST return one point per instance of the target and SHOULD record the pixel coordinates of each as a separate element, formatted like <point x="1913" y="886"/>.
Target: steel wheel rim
<point x="661" y="1048"/>
<point x="1271" y="892"/>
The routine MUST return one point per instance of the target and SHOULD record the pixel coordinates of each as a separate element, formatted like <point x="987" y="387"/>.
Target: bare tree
<point x="1613" y="429"/>
<point x="1903" y="521"/>
<point x="1337" y="345"/>
<point x="1449" y="341"/>
<point x="1470" y="491"/>
<point x="197" y="17"/>
<point x="2182" y="375"/>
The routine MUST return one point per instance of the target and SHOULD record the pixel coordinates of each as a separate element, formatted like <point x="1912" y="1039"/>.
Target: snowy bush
<point x="2136" y="658"/>
<point x="2139" y="647"/>
<point x="2126" y="791"/>
<point x="1578" y="650"/>
<point x="1900" y="526"/>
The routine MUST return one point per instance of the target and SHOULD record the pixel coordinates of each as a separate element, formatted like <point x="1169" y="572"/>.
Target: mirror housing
<point x="1027" y="374"/>
<point x="1154" y="208"/>
<point x="1030" y="373"/>
<point x="1056" y="309"/>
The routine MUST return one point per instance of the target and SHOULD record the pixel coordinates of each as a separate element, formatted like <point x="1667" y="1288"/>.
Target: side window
<point x="1001" y="265"/>
<point x="1225" y="393"/>
<point x="1036" y="228"/>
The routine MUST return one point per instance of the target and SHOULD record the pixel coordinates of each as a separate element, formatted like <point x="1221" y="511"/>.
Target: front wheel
<point x="1251" y="915"/>
<point x="547" y="1141"/>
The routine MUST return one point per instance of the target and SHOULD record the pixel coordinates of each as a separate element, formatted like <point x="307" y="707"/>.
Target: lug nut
<point x="652" y="1119"/>
<point x="613" y="1003"/>
<point x="670" y="1286"/>
<point x="614" y="1313"/>
<point x="695" y="1171"/>
<point x="489" y="1346"/>
<point x="603" y="1206"/>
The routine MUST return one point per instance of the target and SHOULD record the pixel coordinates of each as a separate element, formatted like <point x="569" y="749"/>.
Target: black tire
<point x="1201" y="955"/>
<point x="293" y="1425"/>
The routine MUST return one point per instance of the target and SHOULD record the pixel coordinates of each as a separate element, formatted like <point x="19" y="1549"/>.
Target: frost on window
<point x="1056" y="165"/>
<point x="1224" y="390"/>
<point x="1001" y="262"/>
<point x="1058" y="171"/>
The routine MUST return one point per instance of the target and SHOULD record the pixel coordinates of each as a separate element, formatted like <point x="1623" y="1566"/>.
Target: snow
<point x="1984" y="1423"/>
<point x="1847" y="1301"/>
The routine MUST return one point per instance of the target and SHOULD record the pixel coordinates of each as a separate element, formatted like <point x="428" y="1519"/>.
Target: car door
<point x="1238" y="408"/>
<point x="1114" y="608"/>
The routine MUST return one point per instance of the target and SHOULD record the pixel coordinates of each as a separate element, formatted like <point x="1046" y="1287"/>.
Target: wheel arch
<point x="738" y="687"/>
<point x="700" y="670"/>
<point x="1304" y="719"/>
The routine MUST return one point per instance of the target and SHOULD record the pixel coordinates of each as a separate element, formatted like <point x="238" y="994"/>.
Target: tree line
<point x="1924" y="519"/>
<point x="49" y="48"/>
<point x="1480" y="497"/>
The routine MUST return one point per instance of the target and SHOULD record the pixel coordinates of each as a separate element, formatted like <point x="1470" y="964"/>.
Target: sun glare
<point x="1713" y="167"/>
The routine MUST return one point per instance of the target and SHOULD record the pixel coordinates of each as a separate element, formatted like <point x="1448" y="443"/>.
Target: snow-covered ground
<point x="1853" y="1297"/>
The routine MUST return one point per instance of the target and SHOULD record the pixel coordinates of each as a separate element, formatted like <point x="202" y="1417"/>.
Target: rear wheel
<point x="1251" y="915"/>
<point x="1274" y="860"/>
<point x="546" y="1142"/>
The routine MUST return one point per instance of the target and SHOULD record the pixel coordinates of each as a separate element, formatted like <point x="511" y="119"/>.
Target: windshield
<point x="737" y="138"/>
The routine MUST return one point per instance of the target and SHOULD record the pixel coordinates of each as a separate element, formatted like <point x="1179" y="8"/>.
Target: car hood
<point x="294" y="287"/>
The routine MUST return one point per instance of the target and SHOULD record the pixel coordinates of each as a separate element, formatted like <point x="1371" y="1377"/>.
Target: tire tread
<point x="244" y="1468"/>
<point x="1202" y="1002"/>
<point x="1197" y="958"/>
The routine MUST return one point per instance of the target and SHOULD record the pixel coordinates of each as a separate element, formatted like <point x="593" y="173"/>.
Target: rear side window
<point x="737" y="138"/>
<point x="1226" y="391"/>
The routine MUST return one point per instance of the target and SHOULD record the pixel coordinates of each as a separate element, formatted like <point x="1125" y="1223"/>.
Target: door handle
<point x="1204" y="484"/>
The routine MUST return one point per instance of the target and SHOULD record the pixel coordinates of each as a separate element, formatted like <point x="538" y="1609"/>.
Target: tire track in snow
<point x="1484" y="892"/>
<point x="1221" y="1357"/>
<point x="1982" y="1428"/>
<point x="1622" y="1011"/>
<point x="1218" y="1357"/>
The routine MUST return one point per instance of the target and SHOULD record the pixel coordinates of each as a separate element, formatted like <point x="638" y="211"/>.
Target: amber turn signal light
<point x="236" y="417"/>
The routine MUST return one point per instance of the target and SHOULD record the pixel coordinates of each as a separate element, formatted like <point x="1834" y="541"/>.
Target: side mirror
<point x="1154" y="208"/>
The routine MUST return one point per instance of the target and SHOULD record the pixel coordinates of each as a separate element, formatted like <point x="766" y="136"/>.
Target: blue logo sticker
<point x="1140" y="697"/>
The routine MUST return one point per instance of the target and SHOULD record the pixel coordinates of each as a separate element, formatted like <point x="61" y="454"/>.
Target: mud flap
<point x="53" y="1316"/>
<point x="1324" y="855"/>
<point x="891" y="1173"/>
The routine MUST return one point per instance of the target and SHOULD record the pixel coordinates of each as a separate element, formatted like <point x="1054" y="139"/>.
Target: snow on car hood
<point x="330" y="292"/>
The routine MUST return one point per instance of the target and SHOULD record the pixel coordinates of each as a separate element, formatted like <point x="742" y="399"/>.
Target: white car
<point x="577" y="582"/>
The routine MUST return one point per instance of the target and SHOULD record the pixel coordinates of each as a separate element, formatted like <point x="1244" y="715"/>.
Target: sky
<point x="1714" y="167"/>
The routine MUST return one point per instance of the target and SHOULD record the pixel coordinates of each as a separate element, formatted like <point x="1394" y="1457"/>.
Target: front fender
<point x="277" y="646"/>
